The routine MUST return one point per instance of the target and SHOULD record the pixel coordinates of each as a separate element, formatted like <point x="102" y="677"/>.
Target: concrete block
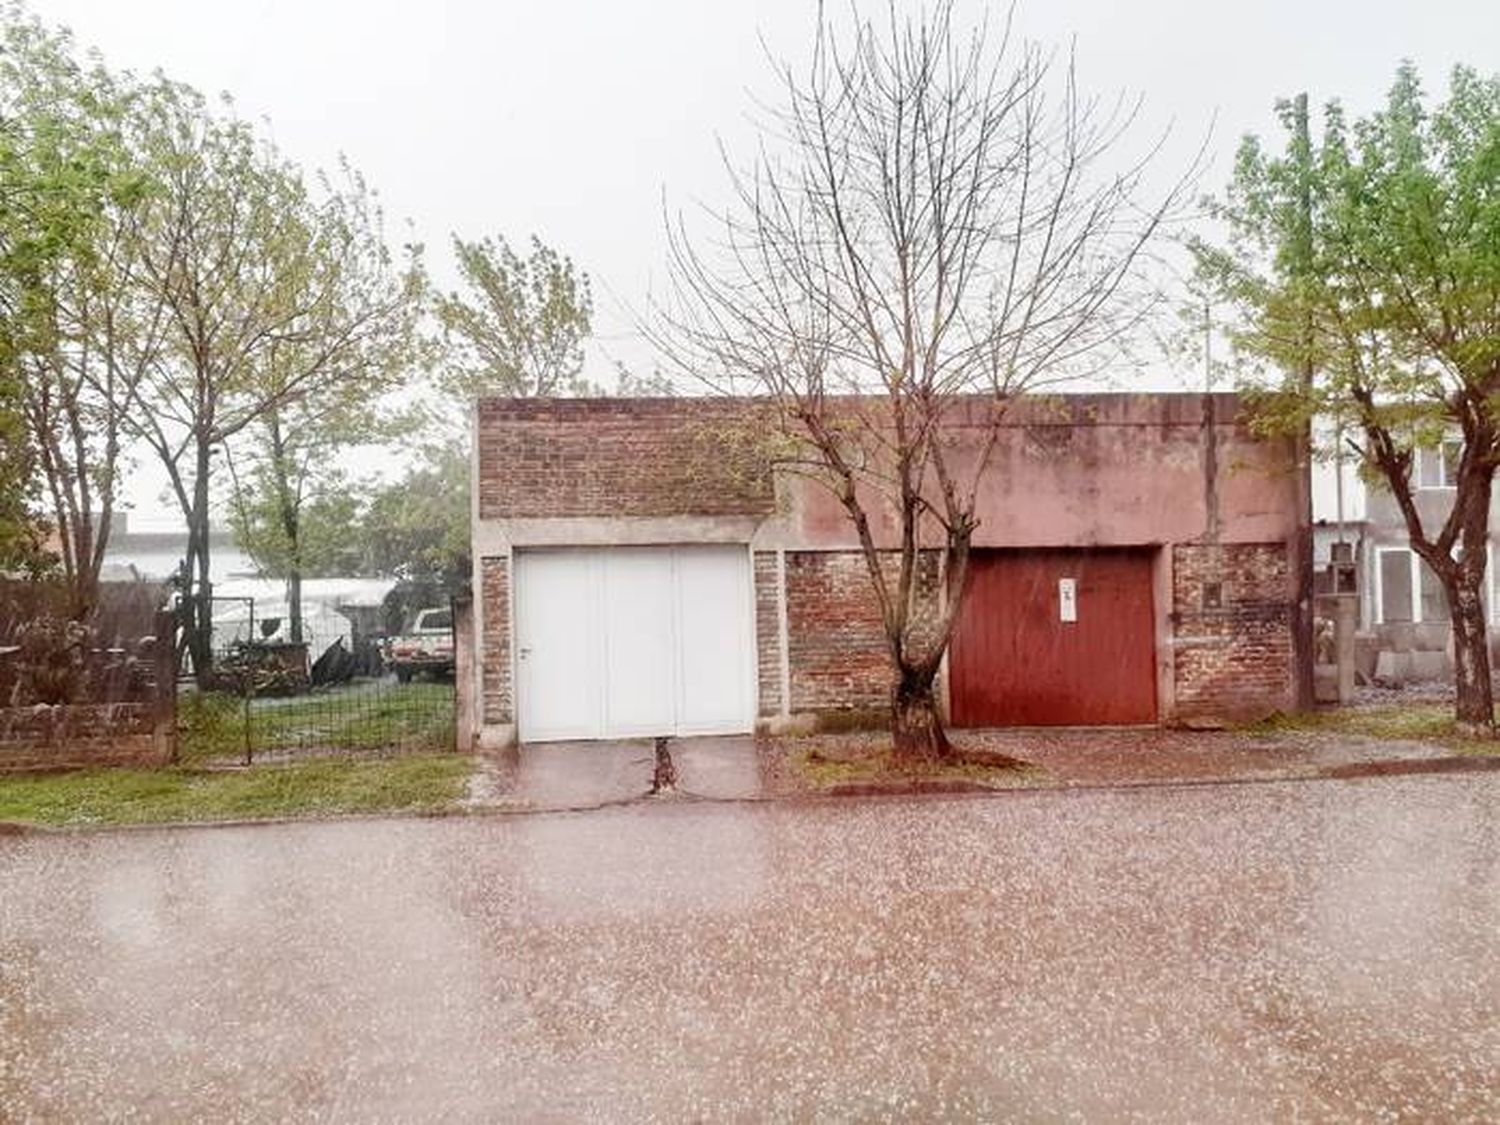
<point x="1429" y="666"/>
<point x="497" y="736"/>
<point x="1326" y="683"/>
<point x="1393" y="668"/>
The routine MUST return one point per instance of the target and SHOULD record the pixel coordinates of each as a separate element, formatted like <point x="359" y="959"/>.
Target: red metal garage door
<point x="1015" y="661"/>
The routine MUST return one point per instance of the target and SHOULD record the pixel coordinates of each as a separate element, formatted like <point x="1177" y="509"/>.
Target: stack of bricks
<point x="78" y="735"/>
<point x="768" y="632"/>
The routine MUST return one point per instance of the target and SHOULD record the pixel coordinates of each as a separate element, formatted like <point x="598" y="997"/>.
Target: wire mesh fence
<point x="269" y="703"/>
<point x="365" y="717"/>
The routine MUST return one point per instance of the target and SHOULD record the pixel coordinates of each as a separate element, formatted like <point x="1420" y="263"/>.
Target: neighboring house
<point x="1404" y="610"/>
<point x="635" y="575"/>
<point x="155" y="548"/>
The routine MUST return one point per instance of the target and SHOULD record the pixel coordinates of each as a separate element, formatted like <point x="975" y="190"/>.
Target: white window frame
<point x="1416" y="583"/>
<point x="1444" y="484"/>
<point x="1416" y="590"/>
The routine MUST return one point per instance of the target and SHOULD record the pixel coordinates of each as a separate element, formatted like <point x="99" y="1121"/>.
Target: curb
<point x="1349" y="771"/>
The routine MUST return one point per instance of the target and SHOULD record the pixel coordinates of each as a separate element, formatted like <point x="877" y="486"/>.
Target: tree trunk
<point x="294" y="604"/>
<point x="201" y="638"/>
<point x="916" y="728"/>
<point x="1474" y="696"/>
<point x="291" y="525"/>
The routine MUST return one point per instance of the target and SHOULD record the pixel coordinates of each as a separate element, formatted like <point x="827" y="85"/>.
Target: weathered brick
<point x="499" y="693"/>
<point x="835" y="639"/>
<point x="621" y="457"/>
<point x="768" y="631"/>
<point x="78" y="736"/>
<point x="1233" y="658"/>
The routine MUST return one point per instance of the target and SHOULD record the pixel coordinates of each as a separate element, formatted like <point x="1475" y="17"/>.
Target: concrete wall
<point x="1172" y="472"/>
<point x="1104" y="470"/>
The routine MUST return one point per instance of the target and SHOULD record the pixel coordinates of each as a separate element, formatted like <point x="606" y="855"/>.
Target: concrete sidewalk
<point x="579" y="775"/>
<point x="583" y="775"/>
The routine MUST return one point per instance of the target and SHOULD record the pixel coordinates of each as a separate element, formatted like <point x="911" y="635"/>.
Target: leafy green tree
<point x="77" y="332"/>
<point x="22" y="548"/>
<point x="519" y="324"/>
<point x="293" y="511"/>
<point x="272" y="294"/>
<point x="517" y="327"/>
<point x="1371" y="257"/>
<point x="417" y="528"/>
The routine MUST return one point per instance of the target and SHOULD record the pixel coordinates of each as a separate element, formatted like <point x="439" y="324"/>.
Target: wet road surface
<point x="1251" y="952"/>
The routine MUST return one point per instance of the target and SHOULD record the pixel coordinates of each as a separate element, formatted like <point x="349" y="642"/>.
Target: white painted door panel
<point x="714" y="640"/>
<point x="637" y="628"/>
<point x="625" y="642"/>
<point x="558" y="646"/>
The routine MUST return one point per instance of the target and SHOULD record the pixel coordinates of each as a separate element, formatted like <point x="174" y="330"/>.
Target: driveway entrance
<point x="630" y="642"/>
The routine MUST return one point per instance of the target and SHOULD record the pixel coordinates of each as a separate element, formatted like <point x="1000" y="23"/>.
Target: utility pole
<point x="1302" y="623"/>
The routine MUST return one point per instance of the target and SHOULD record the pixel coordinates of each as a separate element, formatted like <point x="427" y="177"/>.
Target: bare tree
<point x="926" y="233"/>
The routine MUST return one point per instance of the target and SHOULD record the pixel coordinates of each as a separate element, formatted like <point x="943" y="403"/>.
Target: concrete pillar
<point x="465" y="691"/>
<point x="1346" y="612"/>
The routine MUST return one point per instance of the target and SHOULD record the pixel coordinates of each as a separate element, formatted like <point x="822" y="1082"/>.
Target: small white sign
<point x="1067" y="599"/>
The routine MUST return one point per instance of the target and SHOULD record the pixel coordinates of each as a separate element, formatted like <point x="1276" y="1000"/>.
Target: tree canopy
<point x="1371" y="258"/>
<point x="518" y="325"/>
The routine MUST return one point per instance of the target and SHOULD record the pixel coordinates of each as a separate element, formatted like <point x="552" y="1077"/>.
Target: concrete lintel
<point x="495" y="537"/>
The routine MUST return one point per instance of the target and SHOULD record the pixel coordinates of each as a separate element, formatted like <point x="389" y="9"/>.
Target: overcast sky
<point x="570" y="120"/>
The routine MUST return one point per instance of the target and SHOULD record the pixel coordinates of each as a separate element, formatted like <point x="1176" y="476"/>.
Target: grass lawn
<point x="414" y="783"/>
<point x="853" y="760"/>
<point x="415" y="716"/>
<point x="1414" y="722"/>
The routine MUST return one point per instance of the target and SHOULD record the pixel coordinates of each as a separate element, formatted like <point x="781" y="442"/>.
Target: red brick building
<point x="638" y="573"/>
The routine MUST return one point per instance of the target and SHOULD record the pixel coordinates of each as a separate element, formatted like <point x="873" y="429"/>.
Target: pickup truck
<point x="426" y="647"/>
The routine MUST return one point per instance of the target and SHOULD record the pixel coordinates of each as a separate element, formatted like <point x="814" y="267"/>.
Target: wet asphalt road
<point x="1323" y="951"/>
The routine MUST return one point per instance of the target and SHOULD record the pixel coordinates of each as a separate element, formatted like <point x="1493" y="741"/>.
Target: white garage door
<point x="625" y="642"/>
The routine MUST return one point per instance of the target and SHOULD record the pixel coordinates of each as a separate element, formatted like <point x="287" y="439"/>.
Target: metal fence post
<point x="164" y="672"/>
<point x="463" y="673"/>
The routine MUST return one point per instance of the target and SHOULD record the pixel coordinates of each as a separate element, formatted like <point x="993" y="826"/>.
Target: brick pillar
<point x="498" y="704"/>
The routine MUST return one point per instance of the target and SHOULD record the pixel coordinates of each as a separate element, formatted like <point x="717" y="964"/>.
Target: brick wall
<point x="835" y="642"/>
<point x="768" y="632"/>
<point x="78" y="736"/>
<point x="622" y="457"/>
<point x="498" y="691"/>
<point x="1233" y="659"/>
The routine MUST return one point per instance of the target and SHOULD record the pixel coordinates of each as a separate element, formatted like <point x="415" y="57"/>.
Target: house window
<point x="1395" y="591"/>
<point x="1434" y="601"/>
<point x="1438" y="468"/>
<point x="1407" y="589"/>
